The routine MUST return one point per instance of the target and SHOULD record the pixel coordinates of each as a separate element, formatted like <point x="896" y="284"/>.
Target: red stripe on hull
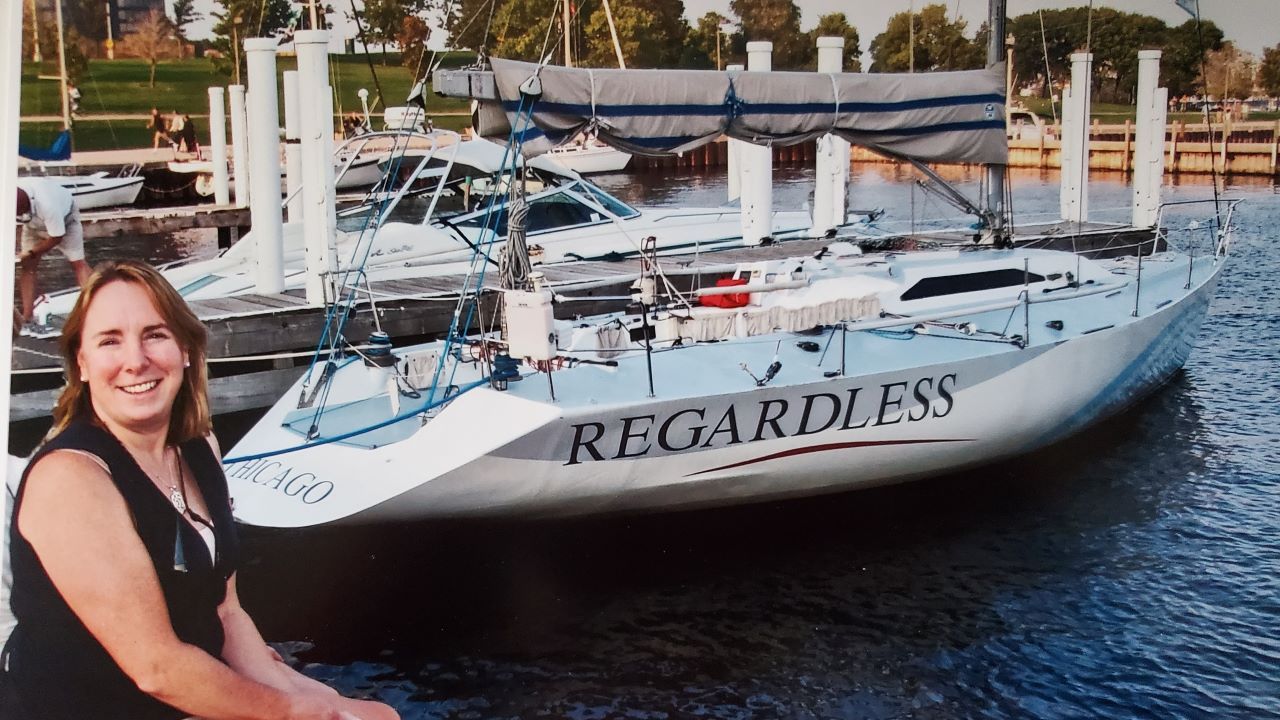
<point x="823" y="448"/>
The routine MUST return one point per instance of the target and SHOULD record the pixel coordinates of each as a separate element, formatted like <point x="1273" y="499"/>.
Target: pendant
<point x="179" y="502"/>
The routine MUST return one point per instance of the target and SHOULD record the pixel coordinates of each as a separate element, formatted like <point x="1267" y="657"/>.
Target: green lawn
<point x="1107" y="113"/>
<point x="121" y="87"/>
<point x="98" y="134"/>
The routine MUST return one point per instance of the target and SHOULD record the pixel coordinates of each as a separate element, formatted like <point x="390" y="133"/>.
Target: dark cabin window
<point x="969" y="282"/>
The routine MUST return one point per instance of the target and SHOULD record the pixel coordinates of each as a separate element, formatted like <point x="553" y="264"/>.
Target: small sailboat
<point x="783" y="375"/>
<point x="587" y="155"/>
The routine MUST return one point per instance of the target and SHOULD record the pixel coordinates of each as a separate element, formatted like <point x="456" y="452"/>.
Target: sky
<point x="1251" y="24"/>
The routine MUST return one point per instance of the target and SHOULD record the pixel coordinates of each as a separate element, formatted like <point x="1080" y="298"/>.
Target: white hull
<point x="899" y="412"/>
<point x="588" y="159"/>
<point x="100" y="190"/>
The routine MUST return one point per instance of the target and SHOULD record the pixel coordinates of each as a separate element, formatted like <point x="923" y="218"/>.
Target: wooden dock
<point x="260" y="344"/>
<point x="1244" y="148"/>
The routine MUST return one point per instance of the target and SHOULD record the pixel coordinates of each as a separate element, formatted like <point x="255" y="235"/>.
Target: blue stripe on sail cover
<point x="744" y="108"/>
<point x="868" y="107"/>
<point x="941" y="127"/>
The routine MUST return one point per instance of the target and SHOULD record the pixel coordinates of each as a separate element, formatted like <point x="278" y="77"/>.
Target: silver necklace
<point x="177" y="494"/>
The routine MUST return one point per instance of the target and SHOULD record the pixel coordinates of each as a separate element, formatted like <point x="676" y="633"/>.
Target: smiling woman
<point x="123" y="546"/>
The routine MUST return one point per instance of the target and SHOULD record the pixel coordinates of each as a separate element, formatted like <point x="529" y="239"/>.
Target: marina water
<point x="1132" y="571"/>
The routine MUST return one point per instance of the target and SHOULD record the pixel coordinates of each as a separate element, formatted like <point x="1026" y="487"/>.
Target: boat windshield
<point x="606" y="201"/>
<point x="560" y="208"/>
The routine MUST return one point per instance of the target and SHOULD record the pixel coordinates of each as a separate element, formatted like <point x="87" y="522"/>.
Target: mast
<point x="35" y="34"/>
<point x="617" y="46"/>
<point x="62" y="66"/>
<point x="993" y="203"/>
<point x="565" y="20"/>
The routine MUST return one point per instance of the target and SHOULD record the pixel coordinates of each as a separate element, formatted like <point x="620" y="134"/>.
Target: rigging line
<point x="551" y="23"/>
<point x="1048" y="74"/>
<point x="509" y="153"/>
<point x="367" y="57"/>
<point x="1208" y="117"/>
<point x="487" y="23"/>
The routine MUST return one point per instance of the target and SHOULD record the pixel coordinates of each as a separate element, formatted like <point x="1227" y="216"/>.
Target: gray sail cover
<point x="930" y="117"/>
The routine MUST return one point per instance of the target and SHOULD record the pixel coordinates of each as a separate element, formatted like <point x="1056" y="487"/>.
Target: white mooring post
<point x="1075" y="140"/>
<point x="317" y="160"/>
<point x="1148" y="150"/>
<point x="832" y="161"/>
<point x="218" y="145"/>
<point x="10" y="95"/>
<point x="757" y="165"/>
<point x="264" y="161"/>
<point x="292" y="145"/>
<point x="735" y="154"/>
<point x="239" y="145"/>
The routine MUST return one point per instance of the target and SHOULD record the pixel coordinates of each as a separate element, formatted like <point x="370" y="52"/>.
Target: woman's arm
<point x="249" y="654"/>
<point x="83" y="534"/>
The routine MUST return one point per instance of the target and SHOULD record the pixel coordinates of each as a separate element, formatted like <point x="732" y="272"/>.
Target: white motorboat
<point x="784" y="376"/>
<point x="100" y="189"/>
<point x="590" y="156"/>
<point x="569" y="218"/>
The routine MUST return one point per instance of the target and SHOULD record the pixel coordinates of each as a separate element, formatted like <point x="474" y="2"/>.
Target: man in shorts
<point x="50" y="219"/>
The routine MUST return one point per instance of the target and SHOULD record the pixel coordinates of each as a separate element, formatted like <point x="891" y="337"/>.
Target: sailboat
<point x="782" y="375"/>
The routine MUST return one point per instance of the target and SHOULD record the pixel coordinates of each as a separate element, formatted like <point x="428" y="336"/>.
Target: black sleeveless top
<point x="55" y="669"/>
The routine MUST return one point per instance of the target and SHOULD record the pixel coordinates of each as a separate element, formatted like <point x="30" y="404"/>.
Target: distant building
<point x="123" y="15"/>
<point x="127" y="14"/>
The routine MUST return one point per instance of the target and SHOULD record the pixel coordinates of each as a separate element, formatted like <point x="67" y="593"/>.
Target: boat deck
<point x="257" y="341"/>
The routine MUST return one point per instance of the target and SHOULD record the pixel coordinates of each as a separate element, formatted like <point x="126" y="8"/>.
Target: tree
<point x="1184" y="52"/>
<point x="240" y="19"/>
<point x="1269" y="70"/>
<point x="469" y="24"/>
<point x="384" y="20"/>
<point x="836" y="25"/>
<point x="777" y="21"/>
<point x="153" y="39"/>
<point x="184" y="13"/>
<point x="939" y="44"/>
<point x="651" y="35"/>
<point x="705" y="45"/>
<point x="1229" y="72"/>
<point x="412" y="39"/>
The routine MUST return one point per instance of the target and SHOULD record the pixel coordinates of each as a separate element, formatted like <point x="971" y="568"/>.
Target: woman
<point x="123" y="546"/>
<point x="159" y="128"/>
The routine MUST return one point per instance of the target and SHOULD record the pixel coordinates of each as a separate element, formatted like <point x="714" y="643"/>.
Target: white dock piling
<point x="1148" y="149"/>
<point x="832" y="161"/>
<point x="757" y="165"/>
<point x="10" y="96"/>
<point x="264" y="159"/>
<point x="317" y="160"/>
<point x="239" y="145"/>
<point x="218" y="145"/>
<point x="292" y="145"/>
<point x="1075" y="140"/>
<point x="735" y="155"/>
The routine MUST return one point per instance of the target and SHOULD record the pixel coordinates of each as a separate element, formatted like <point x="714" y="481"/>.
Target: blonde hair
<point x="190" y="414"/>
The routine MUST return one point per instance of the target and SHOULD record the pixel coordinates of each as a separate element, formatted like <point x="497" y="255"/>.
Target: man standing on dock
<point x="49" y="219"/>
